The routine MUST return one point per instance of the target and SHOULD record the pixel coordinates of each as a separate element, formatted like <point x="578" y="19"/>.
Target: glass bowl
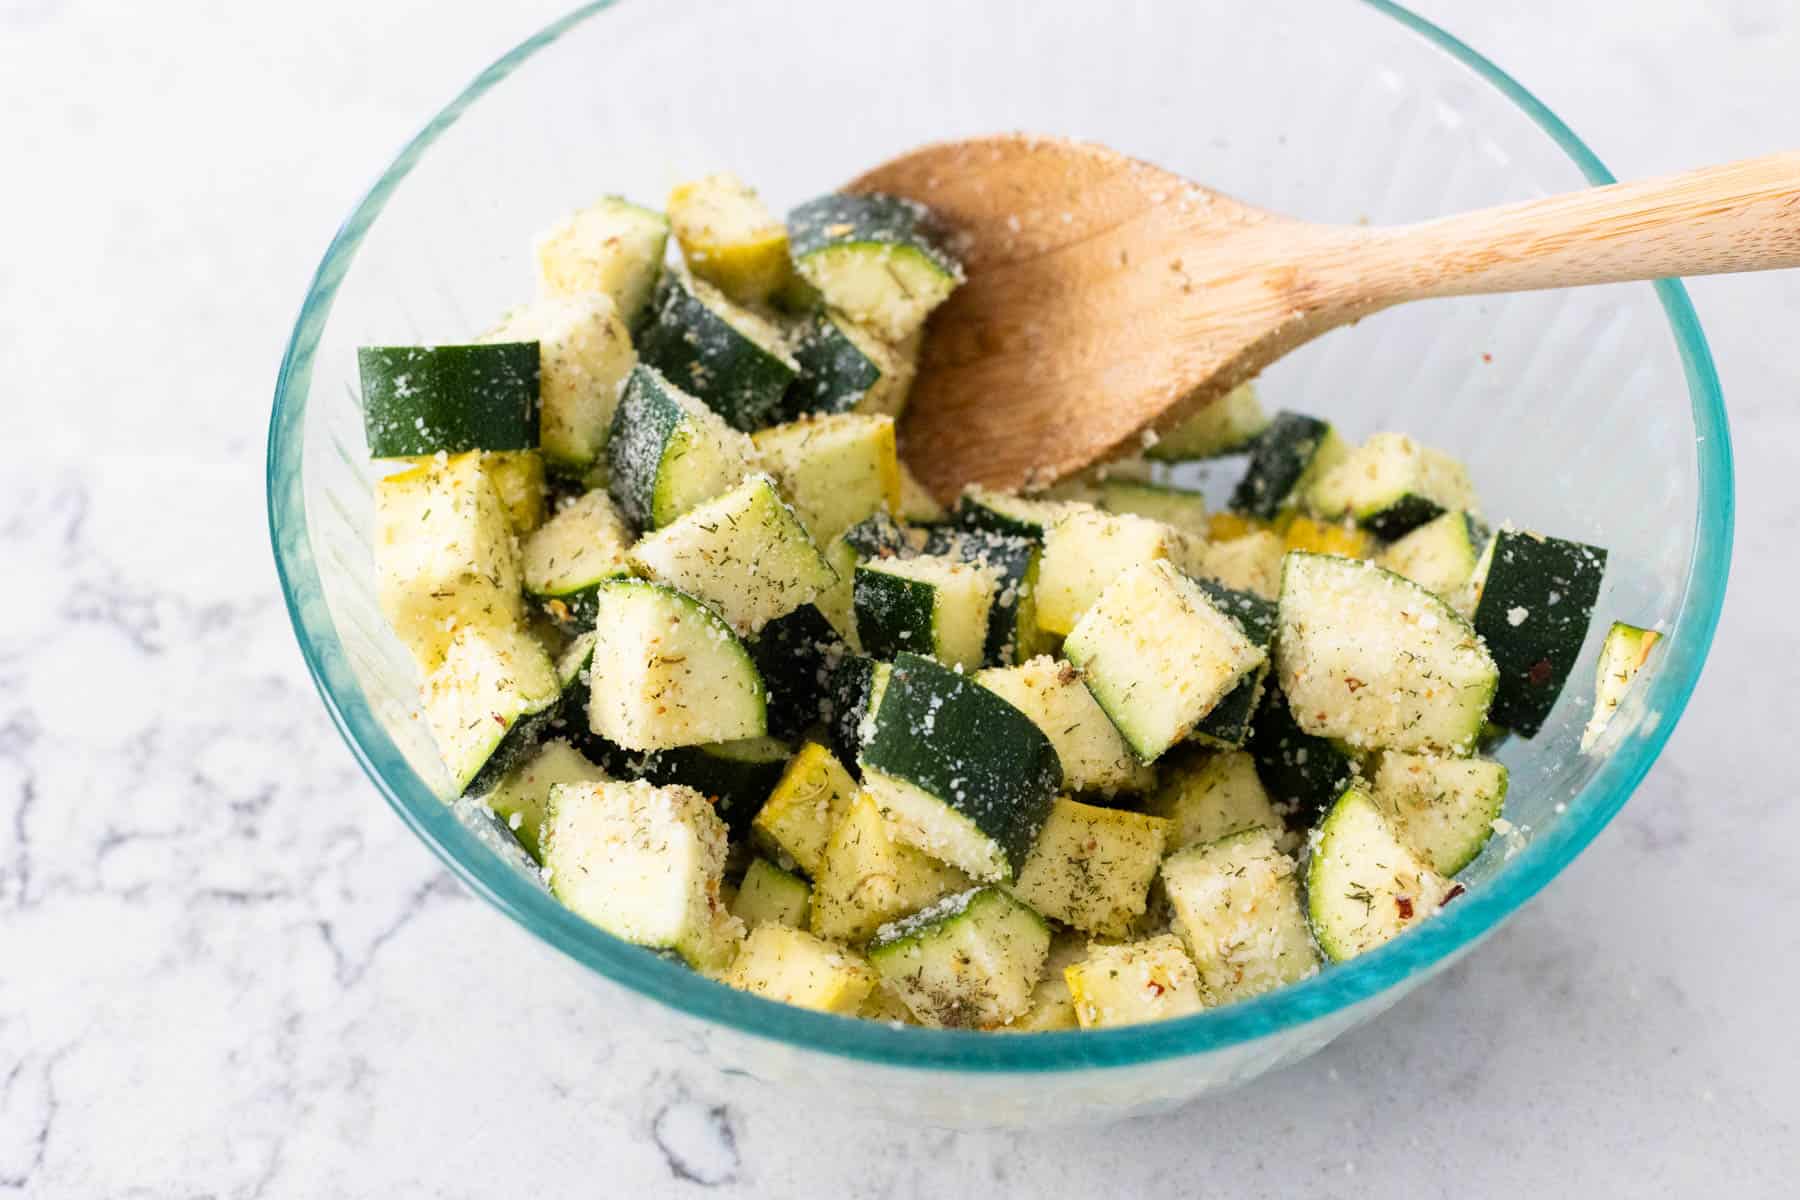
<point x="1593" y="414"/>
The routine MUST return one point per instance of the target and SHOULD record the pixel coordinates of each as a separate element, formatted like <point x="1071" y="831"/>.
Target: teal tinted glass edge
<point x="684" y="991"/>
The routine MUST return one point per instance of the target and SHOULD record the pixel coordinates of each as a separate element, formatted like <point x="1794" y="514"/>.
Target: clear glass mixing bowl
<point x="1593" y="414"/>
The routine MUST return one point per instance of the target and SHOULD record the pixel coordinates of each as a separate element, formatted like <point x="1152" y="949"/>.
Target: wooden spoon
<point x="1107" y="298"/>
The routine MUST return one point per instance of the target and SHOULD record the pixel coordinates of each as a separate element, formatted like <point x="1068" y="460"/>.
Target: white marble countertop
<point x="227" y="970"/>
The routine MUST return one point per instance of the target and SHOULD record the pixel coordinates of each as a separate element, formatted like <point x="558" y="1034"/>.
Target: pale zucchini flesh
<point x="1363" y="887"/>
<point x="970" y="961"/>
<point x="1236" y="906"/>
<point x="1134" y="983"/>
<point x="1091" y="867"/>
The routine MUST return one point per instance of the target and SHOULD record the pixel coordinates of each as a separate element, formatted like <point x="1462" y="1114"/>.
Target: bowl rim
<point x="673" y="985"/>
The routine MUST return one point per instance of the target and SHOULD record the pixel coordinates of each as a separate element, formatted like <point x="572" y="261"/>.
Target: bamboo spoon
<point x="1107" y="298"/>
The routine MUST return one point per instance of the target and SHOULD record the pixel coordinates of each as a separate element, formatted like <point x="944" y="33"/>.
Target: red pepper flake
<point x="1456" y="889"/>
<point x="1156" y="989"/>
<point x="1405" y="905"/>
<point x="1540" y="672"/>
<point x="1486" y="357"/>
<point x="1353" y="683"/>
<point x="498" y="720"/>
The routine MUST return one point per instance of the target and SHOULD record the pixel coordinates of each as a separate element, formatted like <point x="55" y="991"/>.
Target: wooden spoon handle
<point x="1742" y="216"/>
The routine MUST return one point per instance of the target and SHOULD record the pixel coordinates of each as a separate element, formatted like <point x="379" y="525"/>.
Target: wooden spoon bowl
<point x="1108" y="299"/>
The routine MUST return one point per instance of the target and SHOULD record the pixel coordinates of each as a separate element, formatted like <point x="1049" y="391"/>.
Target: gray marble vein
<point x="227" y="970"/>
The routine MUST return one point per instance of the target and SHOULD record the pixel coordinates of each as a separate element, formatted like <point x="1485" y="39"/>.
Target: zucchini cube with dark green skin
<point x="521" y="796"/>
<point x="1363" y="886"/>
<point x="1626" y="649"/>
<point x="1236" y="906"/>
<point x="1227" y="725"/>
<point x="1001" y="512"/>
<point x="1536" y="604"/>
<point x="1289" y="454"/>
<point x="835" y="469"/>
<point x="735" y="776"/>
<point x="1178" y="508"/>
<point x="971" y="961"/>
<point x="1390" y="485"/>
<point x="1013" y="633"/>
<point x="932" y="604"/>
<point x="1228" y="425"/>
<point x="668" y="452"/>
<point x="1442" y="809"/>
<point x="566" y="559"/>
<point x="612" y="246"/>
<point x="797" y="655"/>
<point x="857" y="684"/>
<point x="1093" y="754"/>
<point x="1377" y="661"/>
<point x="744" y="553"/>
<point x="419" y="400"/>
<point x="871" y="258"/>
<point x="1159" y="656"/>
<point x="1440" y="555"/>
<point x="770" y="895"/>
<point x="1302" y="773"/>
<point x="727" y="356"/>
<point x="483" y="704"/>
<point x="846" y="368"/>
<point x="957" y="771"/>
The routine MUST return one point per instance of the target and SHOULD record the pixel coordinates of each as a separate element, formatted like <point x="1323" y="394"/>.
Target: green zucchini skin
<point x="1012" y="634"/>
<point x="795" y="654"/>
<point x="975" y="513"/>
<point x="1402" y="517"/>
<point x="1278" y="461"/>
<point x="839" y="220"/>
<point x="834" y="372"/>
<point x="850" y="688"/>
<point x="1536" y="605"/>
<point x="880" y="536"/>
<point x="701" y="352"/>
<point x="945" y="734"/>
<point x="1228" y="724"/>
<point x="642" y="426"/>
<point x="892" y="613"/>
<point x="1295" y="767"/>
<point x="422" y="399"/>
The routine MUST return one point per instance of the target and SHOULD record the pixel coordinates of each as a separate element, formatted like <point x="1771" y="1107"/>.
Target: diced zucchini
<point x="449" y="399"/>
<point x="613" y="246"/>
<point x="880" y="536"/>
<point x="1391" y="485"/>
<point x="932" y="605"/>
<point x="882" y="1005"/>
<point x="1251" y="563"/>
<point x="735" y="776"/>
<point x="644" y="863"/>
<point x="584" y="355"/>
<point x="835" y="469"/>
<point x="1237" y="908"/>
<point x="444" y="555"/>
<point x="1159" y="655"/>
<point x="771" y="896"/>
<point x="1327" y="537"/>
<point x="1303" y="774"/>
<point x="1206" y="795"/>
<point x="564" y="561"/>
<point x="1626" y="649"/>
<point x="1013" y="633"/>
<point x="968" y="962"/>
<point x="1377" y="661"/>
<point x="1442" y="809"/>
<point x="917" y="505"/>
<point x="812" y="796"/>
<point x="794" y="967"/>
<point x="519" y="799"/>
<point x="745" y="554"/>
<point x="1092" y="867"/>
<point x="1536" y="603"/>
<point x="871" y="258"/>
<point x="1228" y="425"/>
<point x="857" y="686"/>
<point x="668" y="671"/>
<point x="867" y="877"/>
<point x="1085" y="550"/>
<point x="1178" y="508"/>
<point x="1051" y="1005"/>
<point x="669" y="452"/>
<point x="518" y="479"/>
<point x="1227" y="724"/>
<point x="478" y="700"/>
<point x="1094" y="755"/>
<point x="1289" y="454"/>
<point x="957" y="771"/>
<point x="837" y="603"/>
<point x="796" y="655"/>
<point x="729" y="238"/>
<point x="846" y="368"/>
<point x="1130" y="984"/>
<point x="1440" y="555"/>
<point x="732" y="359"/>
<point x="1362" y="886"/>
<point x="1002" y="512"/>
